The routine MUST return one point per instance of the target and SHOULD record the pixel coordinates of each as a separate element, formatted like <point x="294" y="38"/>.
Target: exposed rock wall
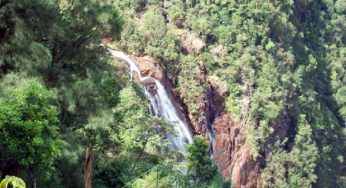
<point x="233" y="154"/>
<point x="229" y="149"/>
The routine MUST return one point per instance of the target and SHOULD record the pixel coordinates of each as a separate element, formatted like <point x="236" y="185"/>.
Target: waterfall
<point x="161" y="105"/>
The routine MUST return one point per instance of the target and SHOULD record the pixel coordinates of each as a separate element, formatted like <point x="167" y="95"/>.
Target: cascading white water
<point x="166" y="109"/>
<point x="162" y="105"/>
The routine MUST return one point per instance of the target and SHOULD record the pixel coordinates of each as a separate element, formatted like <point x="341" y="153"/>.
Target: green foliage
<point x="152" y="37"/>
<point x="305" y="153"/>
<point x="140" y="141"/>
<point x="176" y="15"/>
<point x="299" y="165"/>
<point x="283" y="66"/>
<point x="109" y="87"/>
<point x="200" y="173"/>
<point x="190" y="86"/>
<point x="338" y="73"/>
<point x="151" y="180"/>
<point x="200" y="166"/>
<point x="154" y="26"/>
<point x="56" y="43"/>
<point x="28" y="123"/>
<point x="278" y="68"/>
<point x="12" y="181"/>
<point x="233" y="107"/>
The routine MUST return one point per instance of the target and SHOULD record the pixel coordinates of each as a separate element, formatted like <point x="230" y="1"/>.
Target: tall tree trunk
<point x="33" y="178"/>
<point x="88" y="169"/>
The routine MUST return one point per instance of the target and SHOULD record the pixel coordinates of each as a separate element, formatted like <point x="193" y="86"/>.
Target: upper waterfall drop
<point x="133" y="67"/>
<point x="161" y="105"/>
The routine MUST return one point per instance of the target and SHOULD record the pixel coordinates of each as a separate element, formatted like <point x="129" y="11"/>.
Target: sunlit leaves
<point x="12" y="181"/>
<point x="28" y="123"/>
<point x="200" y="166"/>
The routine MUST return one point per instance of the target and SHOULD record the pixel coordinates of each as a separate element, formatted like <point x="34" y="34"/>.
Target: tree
<point x="28" y="124"/>
<point x="296" y="168"/>
<point x="154" y="26"/>
<point x="138" y="139"/>
<point x="303" y="157"/>
<point x="140" y="133"/>
<point x="200" y="166"/>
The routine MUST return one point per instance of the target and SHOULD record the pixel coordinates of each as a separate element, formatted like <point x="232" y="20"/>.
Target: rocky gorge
<point x="228" y="147"/>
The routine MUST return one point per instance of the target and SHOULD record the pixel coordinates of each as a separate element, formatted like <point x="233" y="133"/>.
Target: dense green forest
<point x="71" y="117"/>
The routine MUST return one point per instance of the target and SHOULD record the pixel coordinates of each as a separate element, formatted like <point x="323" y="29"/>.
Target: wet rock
<point x="150" y="85"/>
<point x="157" y="75"/>
<point x="148" y="67"/>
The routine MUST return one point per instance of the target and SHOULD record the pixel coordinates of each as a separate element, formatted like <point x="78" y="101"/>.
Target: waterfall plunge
<point x="161" y="105"/>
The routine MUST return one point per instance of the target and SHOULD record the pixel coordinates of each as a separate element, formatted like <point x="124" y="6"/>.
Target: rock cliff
<point x="228" y="144"/>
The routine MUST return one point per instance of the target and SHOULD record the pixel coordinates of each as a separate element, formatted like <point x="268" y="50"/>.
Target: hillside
<point x="181" y="93"/>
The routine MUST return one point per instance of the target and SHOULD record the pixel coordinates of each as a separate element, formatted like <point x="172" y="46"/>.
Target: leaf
<point x="14" y="181"/>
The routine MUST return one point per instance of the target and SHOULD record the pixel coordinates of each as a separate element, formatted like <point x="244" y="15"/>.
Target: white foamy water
<point x="162" y="105"/>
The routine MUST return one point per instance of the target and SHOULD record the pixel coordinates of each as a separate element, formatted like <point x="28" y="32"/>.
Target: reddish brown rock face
<point x="233" y="155"/>
<point x="147" y="67"/>
<point x="230" y="150"/>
